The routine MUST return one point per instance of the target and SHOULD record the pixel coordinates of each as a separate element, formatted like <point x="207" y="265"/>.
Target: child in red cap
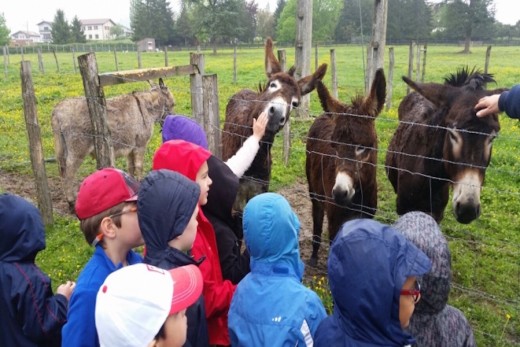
<point x="106" y="208"/>
<point x="191" y="161"/>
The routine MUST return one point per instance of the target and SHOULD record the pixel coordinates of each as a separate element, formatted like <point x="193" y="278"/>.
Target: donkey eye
<point x="360" y="150"/>
<point x="295" y="104"/>
<point x="272" y="85"/>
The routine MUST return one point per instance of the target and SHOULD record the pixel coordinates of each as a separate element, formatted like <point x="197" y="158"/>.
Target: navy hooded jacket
<point x="30" y="315"/>
<point x="165" y="205"/>
<point x="368" y="264"/>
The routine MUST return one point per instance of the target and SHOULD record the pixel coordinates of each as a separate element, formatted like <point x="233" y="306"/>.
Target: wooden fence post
<point x="423" y="72"/>
<point x="35" y="144"/>
<point x="166" y="56"/>
<point x="211" y="113"/>
<point x="390" y="79"/>
<point x="74" y="60"/>
<point x="418" y="68"/>
<point x="197" y="95"/>
<point x="139" y="64"/>
<point x="488" y="56"/>
<point x="56" y="59"/>
<point x="40" y="61"/>
<point x="303" y="50"/>
<point x="98" y="110"/>
<point x="410" y="64"/>
<point x="115" y="59"/>
<point x="235" y="64"/>
<point x="333" y="72"/>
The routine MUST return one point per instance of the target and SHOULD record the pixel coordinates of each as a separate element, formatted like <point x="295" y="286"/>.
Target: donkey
<point x="130" y="119"/>
<point x="440" y="142"/>
<point x="341" y="160"/>
<point x="278" y="97"/>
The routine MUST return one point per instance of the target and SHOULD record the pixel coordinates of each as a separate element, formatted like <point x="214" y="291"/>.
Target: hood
<point x="21" y="229"/>
<point x="367" y="267"/>
<point x="164" y="207"/>
<point x="180" y="156"/>
<point x="271" y="233"/>
<point x="422" y="230"/>
<point x="179" y="127"/>
<point x="222" y="193"/>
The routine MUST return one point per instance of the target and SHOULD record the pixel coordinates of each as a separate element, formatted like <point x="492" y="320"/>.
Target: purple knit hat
<point x="179" y="127"/>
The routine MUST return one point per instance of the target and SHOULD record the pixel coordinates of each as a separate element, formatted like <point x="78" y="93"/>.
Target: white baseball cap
<point x="134" y="302"/>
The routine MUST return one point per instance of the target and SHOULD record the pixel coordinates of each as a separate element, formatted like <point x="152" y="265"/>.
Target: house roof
<point x="99" y="21"/>
<point x="44" y="22"/>
<point x="26" y="33"/>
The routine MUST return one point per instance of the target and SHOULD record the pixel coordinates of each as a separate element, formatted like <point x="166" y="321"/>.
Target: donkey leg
<point x="138" y="158"/>
<point x="72" y="165"/>
<point x="317" y="228"/>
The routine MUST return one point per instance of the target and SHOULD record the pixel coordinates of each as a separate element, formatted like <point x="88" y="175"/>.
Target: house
<point x="97" y="29"/>
<point x="24" y="38"/>
<point x="44" y="28"/>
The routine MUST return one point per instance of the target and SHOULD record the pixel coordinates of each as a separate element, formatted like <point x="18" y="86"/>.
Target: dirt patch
<point x="297" y="195"/>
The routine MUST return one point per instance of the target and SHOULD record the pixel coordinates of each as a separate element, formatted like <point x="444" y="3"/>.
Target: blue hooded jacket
<point x="271" y="307"/>
<point x="30" y="314"/>
<point x="367" y="267"/>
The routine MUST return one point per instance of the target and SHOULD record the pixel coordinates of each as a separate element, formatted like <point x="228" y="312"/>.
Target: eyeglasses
<point x="99" y="237"/>
<point x="130" y="210"/>
<point x="415" y="292"/>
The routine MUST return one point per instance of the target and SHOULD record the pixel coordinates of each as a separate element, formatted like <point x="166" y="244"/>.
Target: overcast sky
<point x="25" y="14"/>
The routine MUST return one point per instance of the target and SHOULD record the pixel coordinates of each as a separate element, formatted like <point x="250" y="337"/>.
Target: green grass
<point x="485" y="254"/>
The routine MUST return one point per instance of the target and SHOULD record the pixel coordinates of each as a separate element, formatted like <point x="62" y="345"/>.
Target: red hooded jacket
<point x="187" y="158"/>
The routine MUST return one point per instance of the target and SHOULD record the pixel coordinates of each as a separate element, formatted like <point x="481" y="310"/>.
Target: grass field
<point x="485" y="254"/>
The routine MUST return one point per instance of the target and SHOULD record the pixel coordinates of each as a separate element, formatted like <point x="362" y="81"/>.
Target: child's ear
<point x="107" y="227"/>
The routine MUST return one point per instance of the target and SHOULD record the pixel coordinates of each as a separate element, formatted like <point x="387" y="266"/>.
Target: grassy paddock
<point x="485" y="254"/>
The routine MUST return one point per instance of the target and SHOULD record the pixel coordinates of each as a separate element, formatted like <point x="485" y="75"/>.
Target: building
<point x="44" y="28"/>
<point x="97" y="29"/>
<point x="25" y="38"/>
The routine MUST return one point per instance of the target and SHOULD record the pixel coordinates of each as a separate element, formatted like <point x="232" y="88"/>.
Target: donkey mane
<point x="474" y="79"/>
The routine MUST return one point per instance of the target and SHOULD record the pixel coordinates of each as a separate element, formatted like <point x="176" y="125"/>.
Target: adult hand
<point x="259" y="125"/>
<point x="487" y="105"/>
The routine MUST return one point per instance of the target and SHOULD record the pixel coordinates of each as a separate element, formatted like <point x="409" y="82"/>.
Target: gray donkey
<point x="130" y="118"/>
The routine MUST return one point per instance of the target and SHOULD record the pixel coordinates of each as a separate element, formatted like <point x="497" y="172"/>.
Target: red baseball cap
<point x="104" y="189"/>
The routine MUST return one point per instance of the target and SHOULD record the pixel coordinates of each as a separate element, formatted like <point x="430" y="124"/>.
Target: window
<point x="90" y="36"/>
<point x="97" y="36"/>
<point x="95" y="27"/>
<point x="89" y="27"/>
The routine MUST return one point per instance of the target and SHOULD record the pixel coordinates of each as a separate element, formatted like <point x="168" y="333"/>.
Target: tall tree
<point x="77" y="34"/>
<point x="184" y="25"/>
<point x="266" y="27"/>
<point x="280" y="5"/>
<point x="467" y="19"/>
<point x="60" y="29"/>
<point x="117" y="32"/>
<point x="355" y="21"/>
<point x="4" y="31"/>
<point x="408" y="20"/>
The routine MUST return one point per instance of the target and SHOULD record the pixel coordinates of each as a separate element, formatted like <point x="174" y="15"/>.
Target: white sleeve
<point x="240" y="162"/>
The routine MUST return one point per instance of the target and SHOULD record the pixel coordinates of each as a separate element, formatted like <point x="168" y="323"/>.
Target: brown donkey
<point x="341" y="160"/>
<point x="278" y="97"/>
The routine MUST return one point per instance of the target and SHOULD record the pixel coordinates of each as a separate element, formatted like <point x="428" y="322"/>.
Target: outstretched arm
<point x="487" y="105"/>
<point x="240" y="162"/>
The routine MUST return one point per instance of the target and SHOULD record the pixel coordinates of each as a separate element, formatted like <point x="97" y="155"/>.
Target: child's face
<point x="204" y="183"/>
<point x="130" y="233"/>
<point x="407" y="302"/>
<point x="184" y="242"/>
<point x="175" y="330"/>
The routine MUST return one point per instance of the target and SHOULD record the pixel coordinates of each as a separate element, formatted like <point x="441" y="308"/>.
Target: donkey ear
<point x="438" y="94"/>
<point x="308" y="83"/>
<point x="328" y="102"/>
<point x="272" y="65"/>
<point x="375" y="101"/>
<point x="161" y="83"/>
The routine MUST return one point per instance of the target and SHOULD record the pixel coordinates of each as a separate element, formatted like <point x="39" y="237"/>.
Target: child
<point x="372" y="272"/>
<point x="191" y="161"/>
<point x="434" y="322"/>
<point x="177" y="127"/>
<point x="142" y="305"/>
<point x="167" y="211"/>
<point x="271" y="306"/>
<point x="106" y="208"/>
<point x="219" y="209"/>
<point x="30" y="314"/>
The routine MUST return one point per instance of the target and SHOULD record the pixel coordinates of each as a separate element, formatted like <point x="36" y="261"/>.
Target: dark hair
<point x="161" y="334"/>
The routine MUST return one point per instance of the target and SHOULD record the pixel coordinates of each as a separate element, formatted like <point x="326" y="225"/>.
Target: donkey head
<point x="282" y="93"/>
<point x="354" y="138"/>
<point x="163" y="99"/>
<point x="467" y="140"/>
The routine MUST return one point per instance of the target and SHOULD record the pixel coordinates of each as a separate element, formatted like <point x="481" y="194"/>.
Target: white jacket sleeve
<point x="241" y="161"/>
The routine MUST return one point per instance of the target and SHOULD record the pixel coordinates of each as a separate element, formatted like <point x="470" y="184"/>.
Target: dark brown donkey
<point x="341" y="160"/>
<point x="439" y="143"/>
<point x="280" y="95"/>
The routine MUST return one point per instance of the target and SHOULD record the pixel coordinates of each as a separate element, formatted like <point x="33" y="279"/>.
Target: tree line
<point x="217" y="22"/>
